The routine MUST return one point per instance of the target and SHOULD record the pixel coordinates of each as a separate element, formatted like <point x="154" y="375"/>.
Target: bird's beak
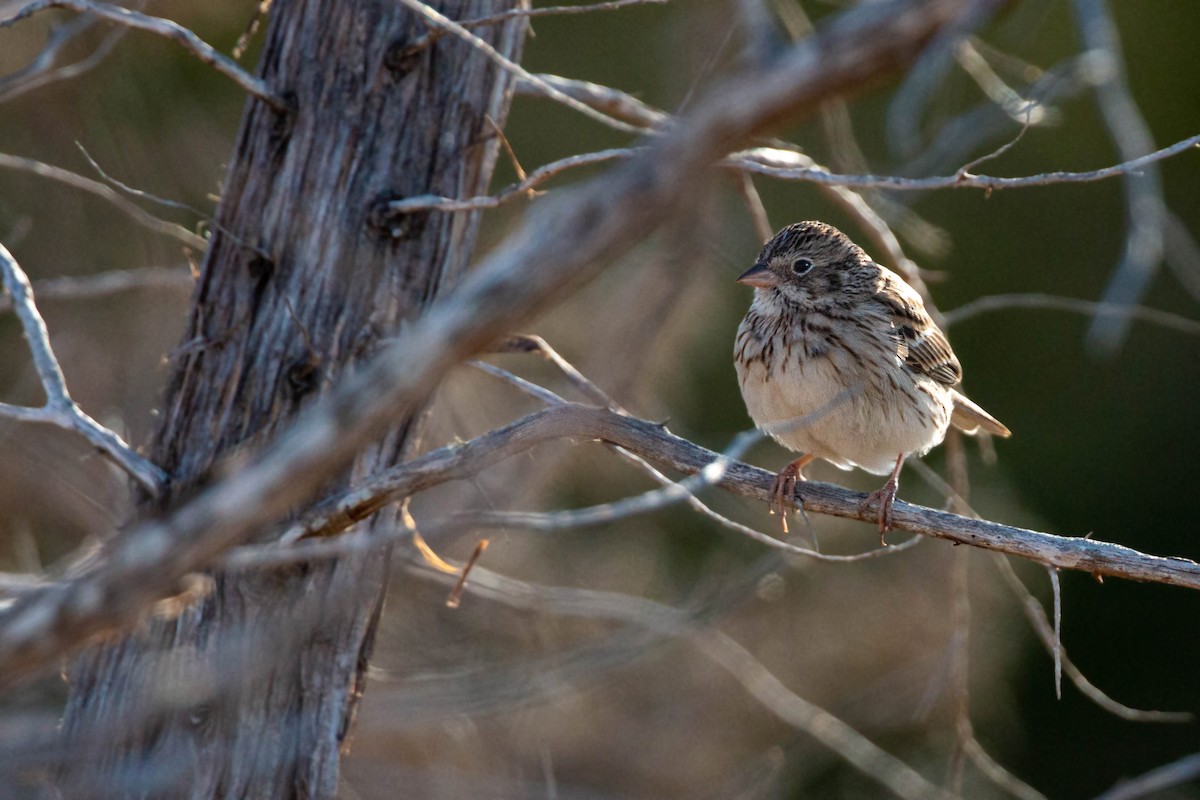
<point x="759" y="277"/>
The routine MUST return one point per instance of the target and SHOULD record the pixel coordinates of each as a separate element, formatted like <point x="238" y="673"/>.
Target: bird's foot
<point x="783" y="490"/>
<point x="885" y="498"/>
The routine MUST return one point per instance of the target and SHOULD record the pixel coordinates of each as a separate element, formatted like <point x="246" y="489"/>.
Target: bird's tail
<point x="969" y="418"/>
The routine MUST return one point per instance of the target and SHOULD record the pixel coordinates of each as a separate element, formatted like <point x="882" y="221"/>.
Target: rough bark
<point x="250" y="691"/>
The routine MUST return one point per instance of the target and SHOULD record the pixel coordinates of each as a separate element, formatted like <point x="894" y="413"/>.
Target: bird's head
<point x="806" y="260"/>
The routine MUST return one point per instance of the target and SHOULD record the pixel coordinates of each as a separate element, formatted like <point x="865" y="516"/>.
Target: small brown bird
<point x="838" y="359"/>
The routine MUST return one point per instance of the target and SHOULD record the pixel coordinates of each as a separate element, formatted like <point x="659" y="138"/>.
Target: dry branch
<point x="554" y="253"/>
<point x="133" y="211"/>
<point x="161" y="27"/>
<point x="106" y="284"/>
<point x="1145" y="208"/>
<point x="659" y="446"/>
<point x="60" y="409"/>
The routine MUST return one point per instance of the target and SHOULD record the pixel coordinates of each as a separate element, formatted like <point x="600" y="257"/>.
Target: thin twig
<point x="553" y="253"/>
<point x="1020" y="109"/>
<point x="429" y="202"/>
<point x="831" y="731"/>
<point x="613" y="102"/>
<point x="738" y="662"/>
<point x="544" y="523"/>
<point x="629" y="108"/>
<point x="1046" y="633"/>
<point x="141" y="194"/>
<point x="964" y="728"/>
<point x="525" y="343"/>
<point x="104" y="284"/>
<point x="783" y="164"/>
<point x="1050" y="302"/>
<point x="612" y="5"/>
<point x="788" y="165"/>
<point x="1056" y="650"/>
<point x="441" y="22"/>
<point x="60" y="410"/>
<point x="42" y="71"/>
<point x="134" y="212"/>
<point x="1044" y="629"/>
<point x="161" y="27"/>
<point x="754" y="205"/>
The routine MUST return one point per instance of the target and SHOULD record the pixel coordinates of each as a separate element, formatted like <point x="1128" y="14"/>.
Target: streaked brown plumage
<point x="838" y="359"/>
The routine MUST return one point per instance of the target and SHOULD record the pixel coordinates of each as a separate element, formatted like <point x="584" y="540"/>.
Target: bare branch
<point x="784" y="164"/>
<point x="819" y="723"/>
<point x="428" y="202"/>
<point x="442" y="24"/>
<point x="525" y="343"/>
<point x="134" y="212"/>
<point x="42" y="71"/>
<point x="1050" y="302"/>
<point x="1183" y="255"/>
<point x="627" y="107"/>
<point x="161" y="27"/>
<point x="613" y="102"/>
<point x="612" y="5"/>
<point x="659" y="446"/>
<point x="1145" y="209"/>
<point x="1056" y="647"/>
<point x="964" y="728"/>
<point x="959" y="137"/>
<point x="908" y="103"/>
<point x="754" y="205"/>
<point x="141" y="194"/>
<point x="554" y="252"/>
<point x="60" y="409"/>
<point x="541" y="522"/>
<point x="1156" y="780"/>
<point x="738" y="662"/>
<point x="1044" y="629"/>
<point x="103" y="284"/>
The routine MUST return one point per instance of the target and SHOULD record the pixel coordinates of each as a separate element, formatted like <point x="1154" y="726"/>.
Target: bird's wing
<point x="923" y="346"/>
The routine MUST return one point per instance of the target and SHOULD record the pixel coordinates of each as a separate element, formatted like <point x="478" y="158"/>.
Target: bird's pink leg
<point x="885" y="496"/>
<point x="783" y="491"/>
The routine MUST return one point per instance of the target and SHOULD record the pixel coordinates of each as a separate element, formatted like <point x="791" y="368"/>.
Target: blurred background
<point x="536" y="699"/>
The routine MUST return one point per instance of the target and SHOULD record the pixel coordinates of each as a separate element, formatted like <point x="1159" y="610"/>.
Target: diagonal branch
<point x="659" y="446"/>
<point x="553" y="253"/>
<point x="132" y="210"/>
<point x="441" y="24"/>
<point x="161" y="27"/>
<point x="60" y="409"/>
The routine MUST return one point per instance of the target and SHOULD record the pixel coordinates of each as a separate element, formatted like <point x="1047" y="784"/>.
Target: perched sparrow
<point x="838" y="359"/>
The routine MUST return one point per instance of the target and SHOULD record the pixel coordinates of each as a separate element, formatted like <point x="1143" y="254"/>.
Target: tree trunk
<point x="251" y="690"/>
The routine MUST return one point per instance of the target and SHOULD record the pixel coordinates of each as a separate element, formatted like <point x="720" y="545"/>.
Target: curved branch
<point x="132" y="210"/>
<point x="553" y="253"/>
<point x="60" y="409"/>
<point x="165" y="28"/>
<point x="656" y="444"/>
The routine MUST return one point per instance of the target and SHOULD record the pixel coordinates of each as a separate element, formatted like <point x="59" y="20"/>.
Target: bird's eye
<point x="801" y="266"/>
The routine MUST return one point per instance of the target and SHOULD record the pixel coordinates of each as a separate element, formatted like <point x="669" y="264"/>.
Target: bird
<point x="837" y="358"/>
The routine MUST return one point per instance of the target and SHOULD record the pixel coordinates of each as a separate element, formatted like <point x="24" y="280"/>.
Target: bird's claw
<point x="885" y="498"/>
<point x="783" y="491"/>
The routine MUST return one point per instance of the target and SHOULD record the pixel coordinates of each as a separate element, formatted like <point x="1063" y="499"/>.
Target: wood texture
<point x="560" y="246"/>
<point x="251" y="692"/>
